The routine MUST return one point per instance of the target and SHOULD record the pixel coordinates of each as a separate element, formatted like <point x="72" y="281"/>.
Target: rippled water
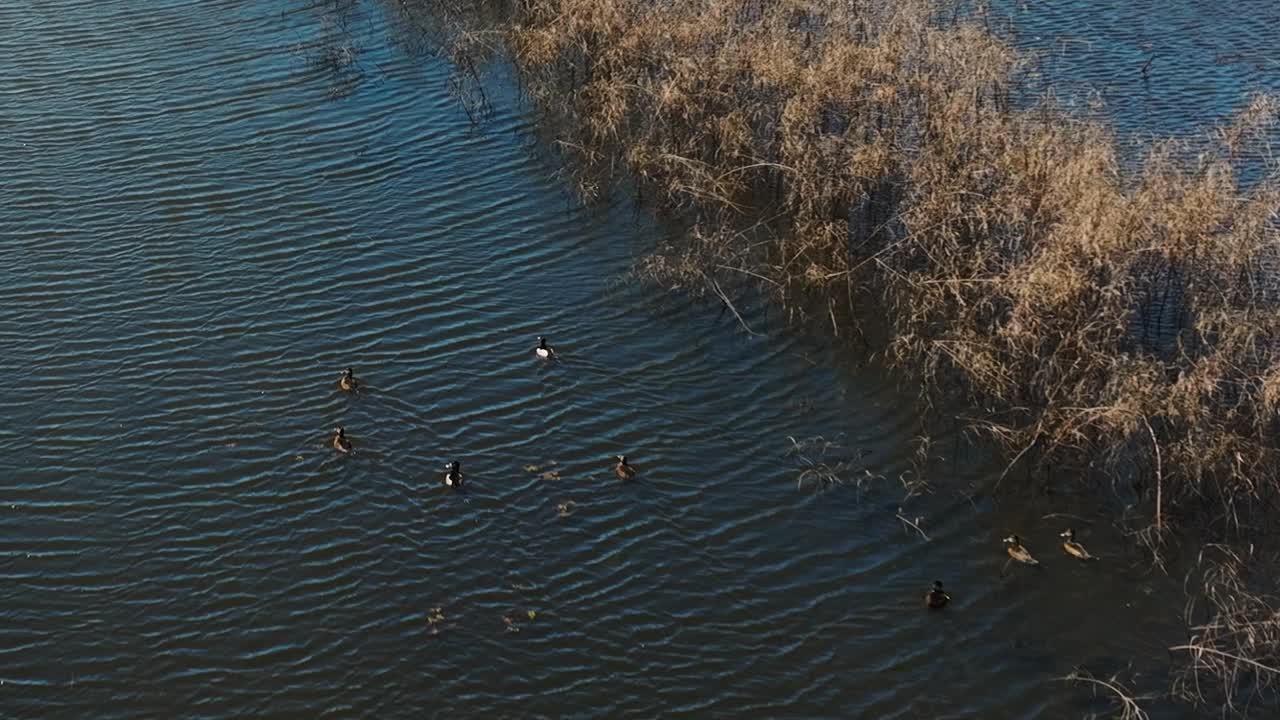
<point x="1153" y="69"/>
<point x="207" y="210"/>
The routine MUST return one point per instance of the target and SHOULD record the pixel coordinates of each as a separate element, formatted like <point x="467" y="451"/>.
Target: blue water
<point x="210" y="209"/>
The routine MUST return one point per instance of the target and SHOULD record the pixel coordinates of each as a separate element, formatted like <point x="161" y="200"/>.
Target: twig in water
<point x="1014" y="461"/>
<point x="725" y="298"/>
<point x="1197" y="649"/>
<point x="1129" y="708"/>
<point x="915" y="524"/>
<point x="1051" y="516"/>
<point x="1159" y="473"/>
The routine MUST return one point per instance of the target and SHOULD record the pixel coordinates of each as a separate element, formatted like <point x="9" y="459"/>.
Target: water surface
<point x="210" y="209"/>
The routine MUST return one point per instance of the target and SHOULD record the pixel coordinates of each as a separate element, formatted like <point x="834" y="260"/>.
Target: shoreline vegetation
<point x="1118" y="315"/>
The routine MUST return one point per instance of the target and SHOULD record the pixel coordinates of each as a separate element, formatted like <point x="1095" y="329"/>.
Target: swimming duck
<point x="544" y="350"/>
<point x="1074" y="548"/>
<point x="453" y="478"/>
<point x="936" y="599"/>
<point x="348" y="380"/>
<point x="341" y="442"/>
<point x="1013" y="546"/>
<point x="623" y="470"/>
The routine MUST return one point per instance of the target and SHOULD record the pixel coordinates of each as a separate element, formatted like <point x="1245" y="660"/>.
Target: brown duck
<point x="623" y="470"/>
<point x="348" y="381"/>
<point x="1013" y="546"/>
<point x="341" y="442"/>
<point x="1074" y="548"/>
<point x="936" y="599"/>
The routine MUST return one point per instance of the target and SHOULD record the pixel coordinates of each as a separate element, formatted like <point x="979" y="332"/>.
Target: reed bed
<point x="1123" y="315"/>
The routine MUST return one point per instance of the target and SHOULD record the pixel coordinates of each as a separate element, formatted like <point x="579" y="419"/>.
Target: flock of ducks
<point x="936" y="598"/>
<point x="453" y="477"/>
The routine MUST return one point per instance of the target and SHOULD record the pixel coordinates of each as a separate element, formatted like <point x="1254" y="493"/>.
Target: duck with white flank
<point x="544" y="350"/>
<point x="453" y="478"/>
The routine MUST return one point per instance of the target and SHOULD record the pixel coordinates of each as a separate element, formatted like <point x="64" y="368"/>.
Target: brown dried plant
<point x="1119" y="313"/>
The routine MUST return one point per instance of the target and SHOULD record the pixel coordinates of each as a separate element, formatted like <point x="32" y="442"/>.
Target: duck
<point x="936" y="599"/>
<point x="1074" y="548"/>
<point x="1013" y="546"/>
<point x="544" y="350"/>
<point x="623" y="470"/>
<point x="348" y="380"/>
<point x="341" y="442"/>
<point x="453" y="478"/>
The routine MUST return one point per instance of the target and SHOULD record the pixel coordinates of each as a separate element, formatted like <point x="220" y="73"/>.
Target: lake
<point x="209" y="210"/>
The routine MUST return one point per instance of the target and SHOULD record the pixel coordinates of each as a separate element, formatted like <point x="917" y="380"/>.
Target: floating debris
<point x="435" y="617"/>
<point x="546" y="470"/>
<point x="513" y="620"/>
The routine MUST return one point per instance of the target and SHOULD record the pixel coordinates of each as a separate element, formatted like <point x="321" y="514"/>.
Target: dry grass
<point x="1121" y="316"/>
<point x="814" y="469"/>
<point x="1125" y="701"/>
<point x="830" y="149"/>
<point x="1232" y="657"/>
<point x="336" y="51"/>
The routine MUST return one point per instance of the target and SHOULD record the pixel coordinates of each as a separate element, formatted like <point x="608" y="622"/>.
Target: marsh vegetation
<point x="1120" y="314"/>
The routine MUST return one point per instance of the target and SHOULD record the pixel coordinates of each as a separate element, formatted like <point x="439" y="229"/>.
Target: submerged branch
<point x="715" y="287"/>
